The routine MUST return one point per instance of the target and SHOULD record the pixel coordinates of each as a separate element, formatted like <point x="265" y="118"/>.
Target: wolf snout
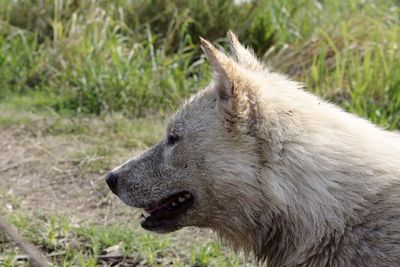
<point x="112" y="181"/>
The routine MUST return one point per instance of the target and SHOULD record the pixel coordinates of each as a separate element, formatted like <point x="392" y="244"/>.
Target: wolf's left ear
<point x="225" y="78"/>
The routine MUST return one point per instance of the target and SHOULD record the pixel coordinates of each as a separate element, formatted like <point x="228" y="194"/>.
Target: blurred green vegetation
<point x="142" y="57"/>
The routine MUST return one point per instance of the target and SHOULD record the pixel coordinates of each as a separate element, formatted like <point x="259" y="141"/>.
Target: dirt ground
<point x="37" y="175"/>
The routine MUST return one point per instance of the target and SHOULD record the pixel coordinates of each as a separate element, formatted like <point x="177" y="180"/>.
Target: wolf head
<point x="207" y="163"/>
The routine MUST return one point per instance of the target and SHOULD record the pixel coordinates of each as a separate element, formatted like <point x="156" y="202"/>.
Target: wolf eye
<point x="172" y="139"/>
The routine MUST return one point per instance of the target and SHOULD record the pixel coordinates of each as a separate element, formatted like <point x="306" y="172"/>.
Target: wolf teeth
<point x="187" y="195"/>
<point x="182" y="199"/>
<point x="145" y="214"/>
<point x="174" y="204"/>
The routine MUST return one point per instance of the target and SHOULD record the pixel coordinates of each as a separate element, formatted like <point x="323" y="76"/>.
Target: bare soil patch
<point x="37" y="174"/>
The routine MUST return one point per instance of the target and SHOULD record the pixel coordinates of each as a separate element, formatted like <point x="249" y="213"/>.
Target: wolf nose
<point x="111" y="181"/>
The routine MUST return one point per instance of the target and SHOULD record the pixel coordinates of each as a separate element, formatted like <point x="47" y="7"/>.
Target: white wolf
<point x="273" y="169"/>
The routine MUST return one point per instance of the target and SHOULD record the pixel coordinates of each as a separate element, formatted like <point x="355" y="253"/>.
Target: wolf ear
<point x="224" y="70"/>
<point x="244" y="57"/>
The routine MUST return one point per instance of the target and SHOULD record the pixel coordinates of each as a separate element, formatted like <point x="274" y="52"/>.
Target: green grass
<point x="66" y="244"/>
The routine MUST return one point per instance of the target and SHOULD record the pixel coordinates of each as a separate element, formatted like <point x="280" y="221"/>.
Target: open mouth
<point x="164" y="215"/>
